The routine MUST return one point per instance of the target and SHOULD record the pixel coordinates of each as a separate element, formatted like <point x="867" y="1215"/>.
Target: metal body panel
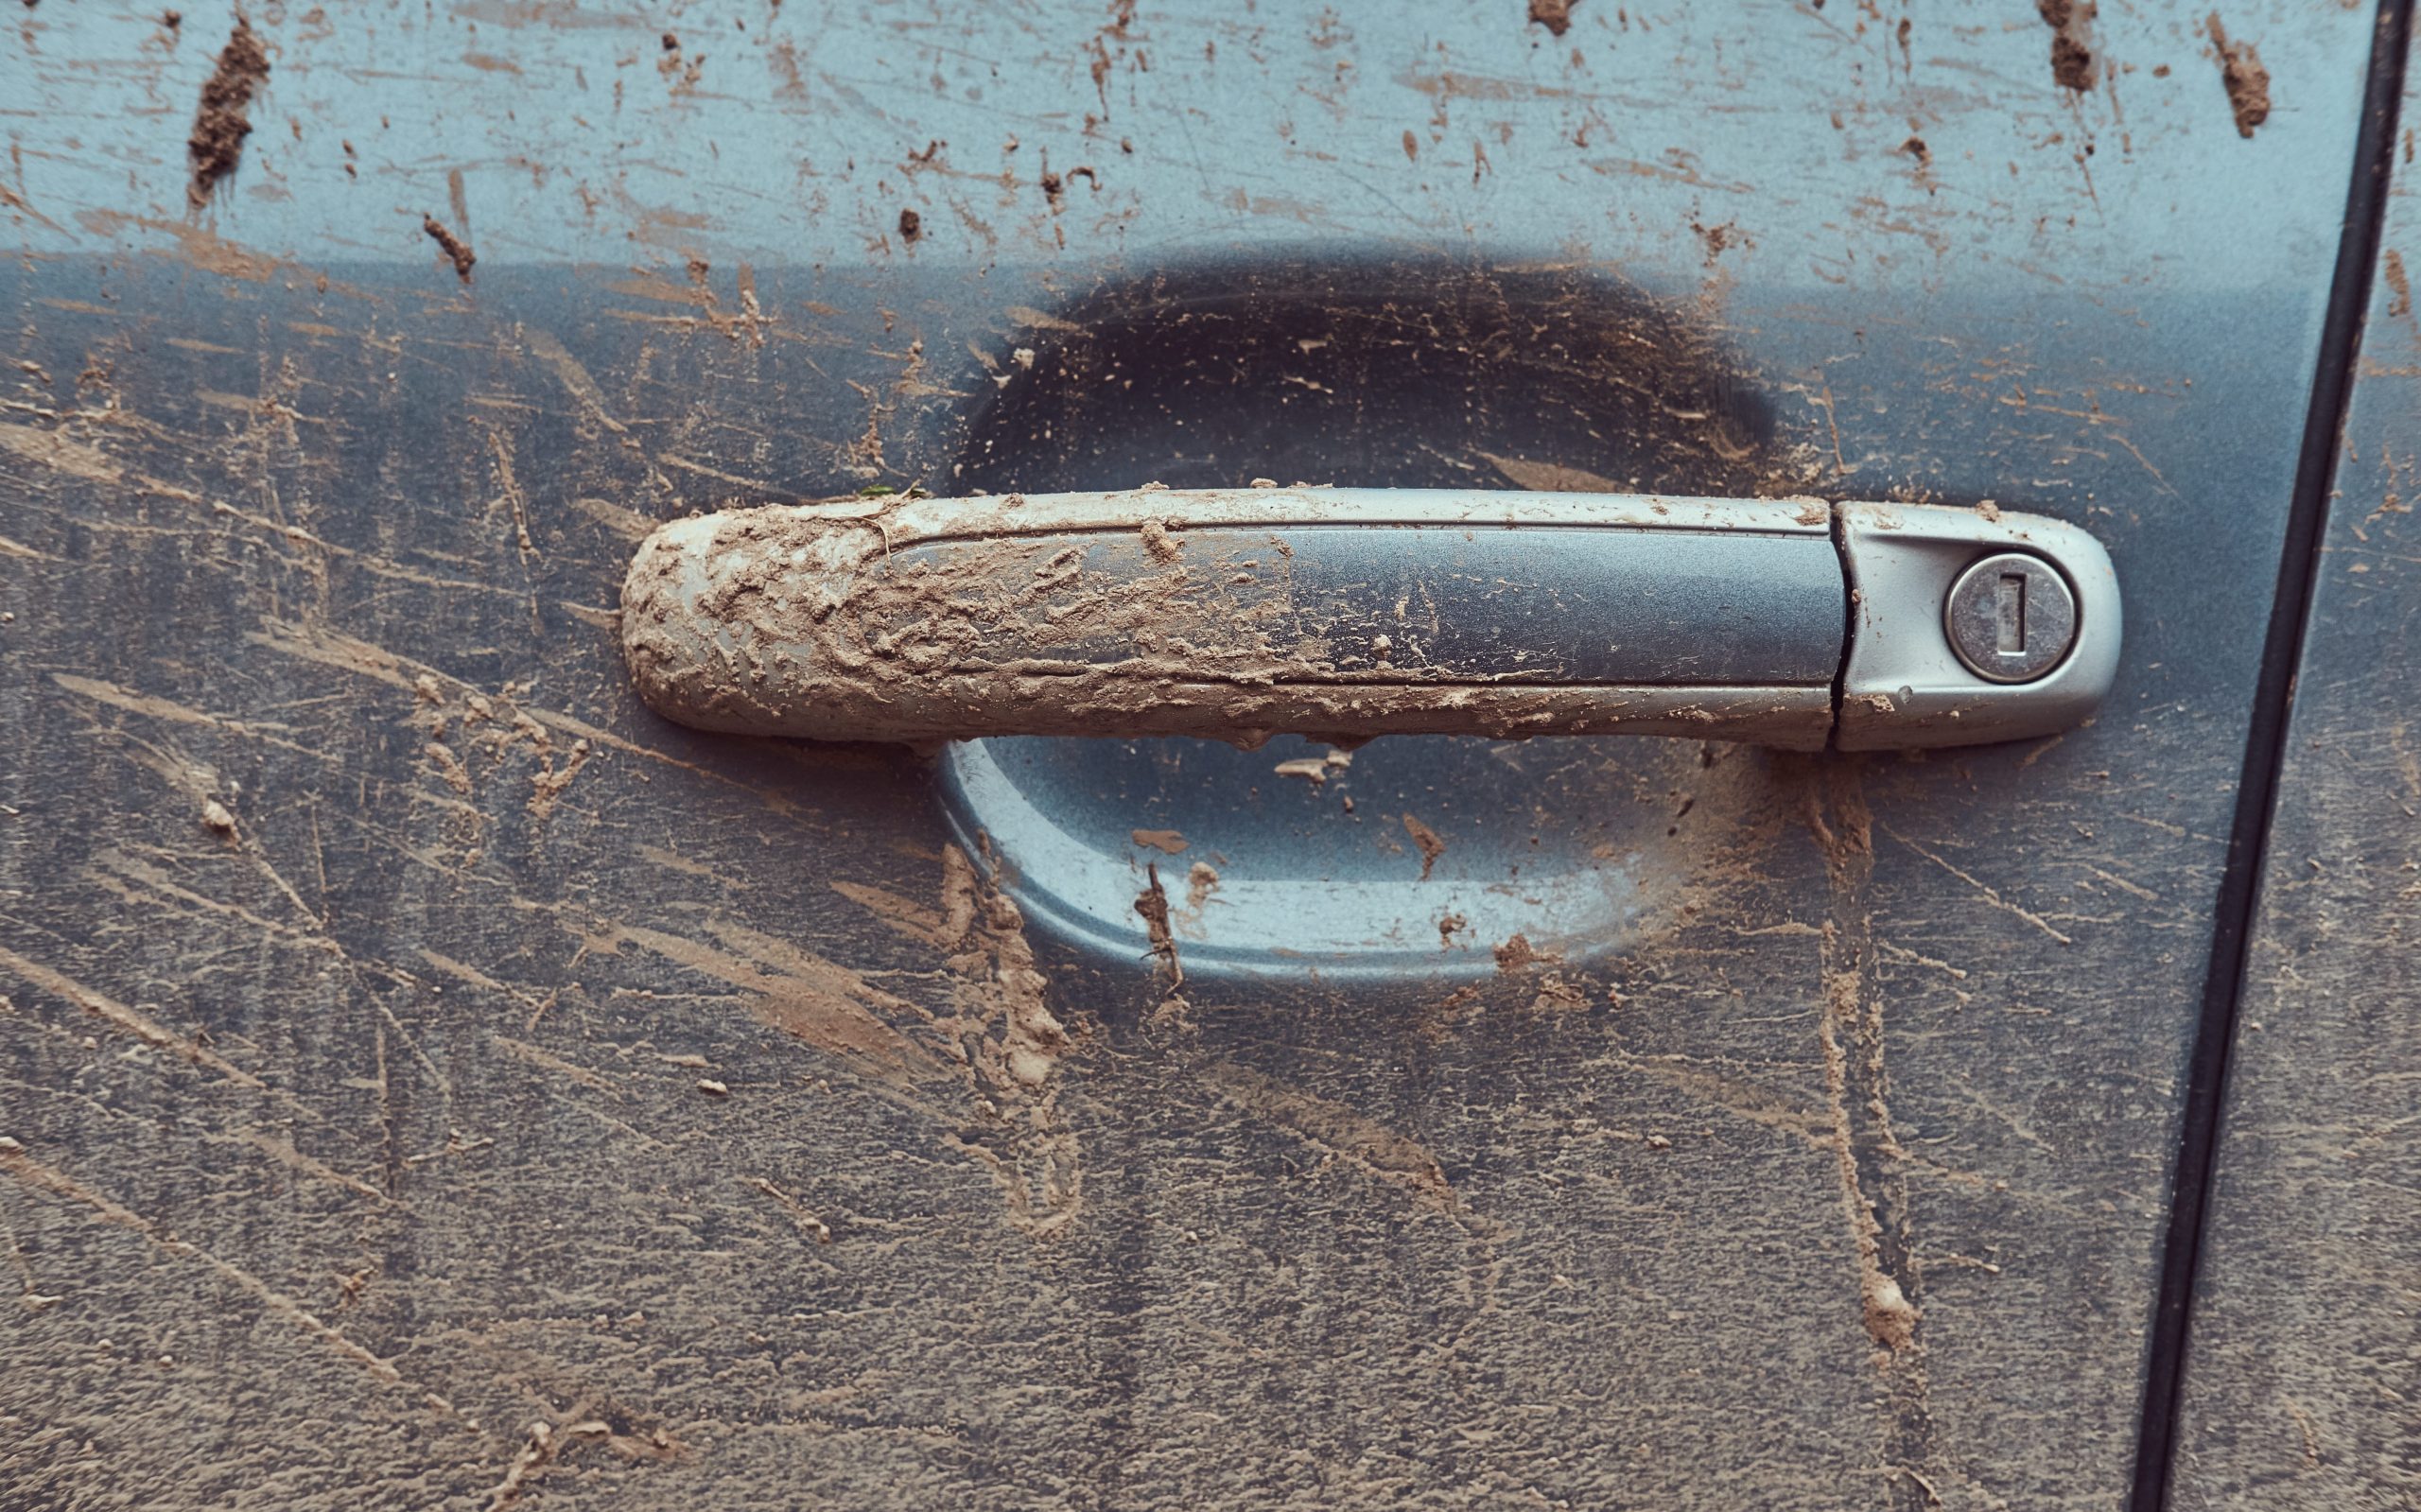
<point x="2300" y="1368"/>
<point x="434" y="1081"/>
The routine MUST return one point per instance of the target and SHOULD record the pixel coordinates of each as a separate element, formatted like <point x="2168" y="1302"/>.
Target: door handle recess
<point x="1345" y="614"/>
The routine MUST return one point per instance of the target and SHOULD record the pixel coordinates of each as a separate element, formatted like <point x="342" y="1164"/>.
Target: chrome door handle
<point x="1345" y="614"/>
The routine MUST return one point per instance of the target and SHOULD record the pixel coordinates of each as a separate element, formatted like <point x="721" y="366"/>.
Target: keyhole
<point x="2010" y="618"/>
<point x="2013" y="613"/>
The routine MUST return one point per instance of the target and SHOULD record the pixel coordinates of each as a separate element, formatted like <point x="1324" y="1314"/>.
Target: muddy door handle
<point x="1345" y="614"/>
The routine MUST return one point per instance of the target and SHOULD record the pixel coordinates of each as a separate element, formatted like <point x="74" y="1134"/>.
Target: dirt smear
<point x="2246" y="81"/>
<point x="1868" y="1156"/>
<point x="1201" y="880"/>
<point x="224" y="119"/>
<point x="998" y="1035"/>
<point x="1552" y="477"/>
<point x="1342" y="1132"/>
<point x="49" y="449"/>
<point x="201" y="249"/>
<point x="795" y="991"/>
<point x="1890" y="1318"/>
<point x="29" y="1172"/>
<point x="547" y="1444"/>
<point x="457" y="250"/>
<point x="1431" y="844"/>
<point x="123" y="1019"/>
<point x="1009" y="987"/>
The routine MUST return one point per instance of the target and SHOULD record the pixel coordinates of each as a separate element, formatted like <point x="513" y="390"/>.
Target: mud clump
<point x="457" y="250"/>
<point x="1556" y="16"/>
<point x="1518" y="955"/>
<point x="1157" y="540"/>
<point x="2073" y="66"/>
<point x="1890" y="1317"/>
<point x="224" y="119"/>
<point x="911" y="226"/>
<point x="2246" y="81"/>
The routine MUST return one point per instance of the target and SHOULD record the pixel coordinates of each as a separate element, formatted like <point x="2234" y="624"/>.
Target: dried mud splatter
<point x="2073" y="65"/>
<point x="224" y="119"/>
<point x="1151" y="904"/>
<point x="1518" y="955"/>
<point x="457" y="250"/>
<point x="2241" y="74"/>
<point x="1556" y="16"/>
<point x="1431" y="844"/>
<point x="1719" y="238"/>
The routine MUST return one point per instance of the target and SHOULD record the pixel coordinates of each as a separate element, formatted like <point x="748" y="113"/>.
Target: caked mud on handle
<point x="1345" y="614"/>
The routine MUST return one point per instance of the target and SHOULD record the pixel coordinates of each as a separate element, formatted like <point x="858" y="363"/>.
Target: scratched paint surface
<point x="2300" y="1361"/>
<point x="432" y="1081"/>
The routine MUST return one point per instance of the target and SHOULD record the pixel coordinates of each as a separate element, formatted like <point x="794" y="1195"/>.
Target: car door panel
<point x="2299" y="1339"/>
<point x="406" y="1030"/>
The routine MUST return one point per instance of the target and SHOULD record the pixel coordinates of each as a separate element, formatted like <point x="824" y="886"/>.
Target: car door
<point x="2298" y="1338"/>
<point x="432" y="1079"/>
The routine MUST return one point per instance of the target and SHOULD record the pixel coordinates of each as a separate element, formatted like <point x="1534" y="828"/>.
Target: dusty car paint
<point x="2301" y="1335"/>
<point x="430" y="1080"/>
